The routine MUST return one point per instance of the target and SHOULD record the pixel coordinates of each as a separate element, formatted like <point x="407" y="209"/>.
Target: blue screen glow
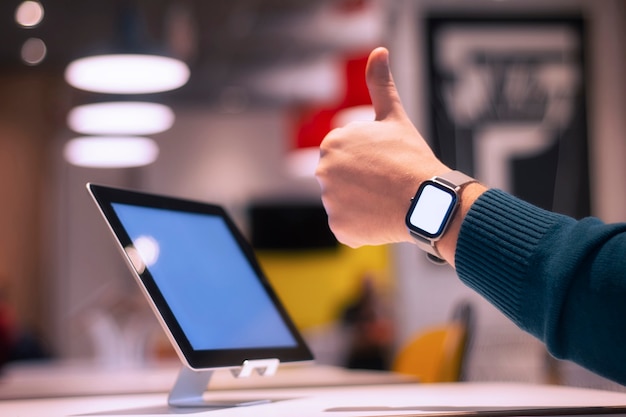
<point x="206" y="279"/>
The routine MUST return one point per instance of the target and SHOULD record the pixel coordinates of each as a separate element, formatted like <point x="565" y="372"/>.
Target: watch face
<point x="431" y="209"/>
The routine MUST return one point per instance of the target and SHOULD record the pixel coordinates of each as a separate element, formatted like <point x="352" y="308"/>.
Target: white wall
<point x="228" y="158"/>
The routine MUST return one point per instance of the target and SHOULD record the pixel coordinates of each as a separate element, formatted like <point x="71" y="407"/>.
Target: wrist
<point x="436" y="212"/>
<point x="467" y="196"/>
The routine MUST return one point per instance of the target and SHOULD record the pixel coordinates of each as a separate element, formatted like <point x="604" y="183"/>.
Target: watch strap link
<point x="454" y="179"/>
<point x="429" y="247"/>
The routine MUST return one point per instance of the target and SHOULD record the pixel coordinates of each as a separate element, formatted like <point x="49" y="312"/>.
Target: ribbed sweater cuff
<point x="495" y="247"/>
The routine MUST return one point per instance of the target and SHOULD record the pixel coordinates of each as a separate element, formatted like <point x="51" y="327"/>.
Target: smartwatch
<point x="432" y="209"/>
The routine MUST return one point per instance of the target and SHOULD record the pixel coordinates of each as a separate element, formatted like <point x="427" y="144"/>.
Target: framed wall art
<point x="508" y="104"/>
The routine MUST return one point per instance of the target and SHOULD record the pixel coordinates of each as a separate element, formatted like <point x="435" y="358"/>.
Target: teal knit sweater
<point x="562" y="280"/>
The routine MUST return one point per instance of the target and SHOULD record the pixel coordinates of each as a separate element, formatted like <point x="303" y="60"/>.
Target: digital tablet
<point x="201" y="278"/>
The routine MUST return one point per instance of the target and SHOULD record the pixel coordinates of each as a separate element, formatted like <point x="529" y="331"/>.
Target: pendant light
<point x="121" y="118"/>
<point x="127" y="73"/>
<point x="111" y="152"/>
<point x="130" y="68"/>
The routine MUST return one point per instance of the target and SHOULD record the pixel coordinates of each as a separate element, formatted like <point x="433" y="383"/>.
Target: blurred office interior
<point x="267" y="79"/>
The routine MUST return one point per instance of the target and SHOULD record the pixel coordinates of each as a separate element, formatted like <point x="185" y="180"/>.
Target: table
<point x="348" y="401"/>
<point x="70" y="379"/>
<point x="71" y="389"/>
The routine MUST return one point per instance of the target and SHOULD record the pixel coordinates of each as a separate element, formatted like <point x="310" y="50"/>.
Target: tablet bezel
<point x="105" y="196"/>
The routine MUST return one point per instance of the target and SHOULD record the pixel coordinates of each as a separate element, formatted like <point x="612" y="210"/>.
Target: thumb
<point x="382" y="89"/>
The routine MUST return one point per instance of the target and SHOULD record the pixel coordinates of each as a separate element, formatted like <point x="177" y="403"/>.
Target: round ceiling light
<point x="127" y="73"/>
<point x="33" y="51"/>
<point x="121" y="118"/>
<point x="111" y="152"/>
<point x="29" y="14"/>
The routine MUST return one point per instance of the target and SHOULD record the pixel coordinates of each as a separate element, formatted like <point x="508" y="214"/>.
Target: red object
<point x="314" y="123"/>
<point x="7" y="332"/>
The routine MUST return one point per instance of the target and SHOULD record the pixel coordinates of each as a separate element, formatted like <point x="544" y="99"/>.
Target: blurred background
<point x="267" y="80"/>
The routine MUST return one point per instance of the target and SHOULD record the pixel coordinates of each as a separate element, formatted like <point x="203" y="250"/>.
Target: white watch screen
<point x="432" y="208"/>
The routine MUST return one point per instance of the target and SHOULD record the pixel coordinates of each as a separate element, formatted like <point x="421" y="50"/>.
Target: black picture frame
<point x="507" y="99"/>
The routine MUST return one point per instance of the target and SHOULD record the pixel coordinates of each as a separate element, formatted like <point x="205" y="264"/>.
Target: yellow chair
<point x="437" y="354"/>
<point x="434" y="355"/>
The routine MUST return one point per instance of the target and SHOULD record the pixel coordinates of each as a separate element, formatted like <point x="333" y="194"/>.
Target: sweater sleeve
<point x="562" y="280"/>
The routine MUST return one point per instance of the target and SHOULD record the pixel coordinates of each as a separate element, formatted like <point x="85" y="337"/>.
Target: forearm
<point x="560" y="279"/>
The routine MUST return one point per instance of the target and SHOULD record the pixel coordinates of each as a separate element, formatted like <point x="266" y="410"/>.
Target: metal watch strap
<point x="429" y="247"/>
<point x="455" y="180"/>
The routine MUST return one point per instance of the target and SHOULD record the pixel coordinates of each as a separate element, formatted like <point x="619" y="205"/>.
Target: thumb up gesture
<point x="368" y="171"/>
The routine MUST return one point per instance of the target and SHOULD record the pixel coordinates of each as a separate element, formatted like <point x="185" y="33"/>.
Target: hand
<point x="369" y="171"/>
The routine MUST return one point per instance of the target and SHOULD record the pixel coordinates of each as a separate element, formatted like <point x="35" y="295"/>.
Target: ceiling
<point x="260" y="51"/>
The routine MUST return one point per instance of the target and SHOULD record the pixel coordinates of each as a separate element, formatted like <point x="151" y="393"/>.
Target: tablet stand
<point x="191" y="384"/>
